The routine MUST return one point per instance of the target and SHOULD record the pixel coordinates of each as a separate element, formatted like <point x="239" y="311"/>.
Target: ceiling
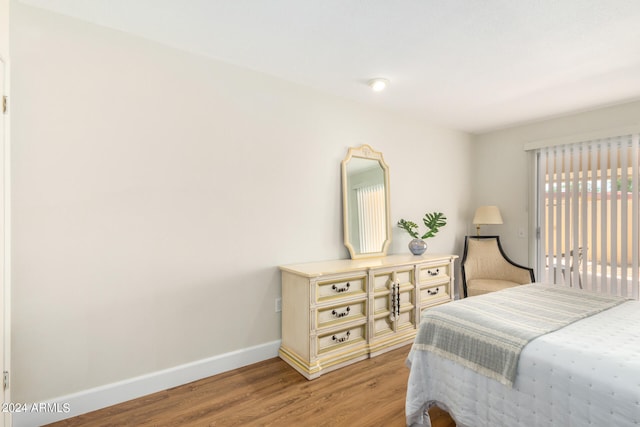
<point x="471" y="65"/>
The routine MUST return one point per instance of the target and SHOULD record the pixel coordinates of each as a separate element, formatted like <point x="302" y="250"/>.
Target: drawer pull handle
<point x="394" y="304"/>
<point x="433" y="273"/>
<point x="430" y="292"/>
<point x="343" y="314"/>
<point x="339" y="290"/>
<point x="342" y="339"/>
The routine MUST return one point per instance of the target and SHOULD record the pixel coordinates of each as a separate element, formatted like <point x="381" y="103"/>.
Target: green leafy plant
<point x="433" y="221"/>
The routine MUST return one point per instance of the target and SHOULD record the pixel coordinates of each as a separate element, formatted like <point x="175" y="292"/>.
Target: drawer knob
<point x="434" y="292"/>
<point x="433" y="272"/>
<point x="342" y="339"/>
<point x="339" y="290"/>
<point x="343" y="314"/>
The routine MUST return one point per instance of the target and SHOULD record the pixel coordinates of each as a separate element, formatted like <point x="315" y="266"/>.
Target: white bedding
<point x="586" y="374"/>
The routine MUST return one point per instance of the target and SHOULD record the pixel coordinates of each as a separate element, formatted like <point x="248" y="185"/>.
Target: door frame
<point x="5" y="243"/>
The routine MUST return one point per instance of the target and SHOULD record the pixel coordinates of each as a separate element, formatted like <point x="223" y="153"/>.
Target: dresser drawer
<point x="343" y="337"/>
<point x="383" y="325"/>
<point x="327" y="290"/>
<point x="382" y="280"/>
<point x="382" y="302"/>
<point x="432" y="293"/>
<point x="337" y="314"/>
<point x="434" y="273"/>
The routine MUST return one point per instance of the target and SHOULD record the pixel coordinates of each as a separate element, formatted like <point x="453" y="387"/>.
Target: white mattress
<point x="586" y="374"/>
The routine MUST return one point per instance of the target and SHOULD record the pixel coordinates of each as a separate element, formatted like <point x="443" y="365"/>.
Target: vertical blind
<point x="371" y="217"/>
<point x="589" y="215"/>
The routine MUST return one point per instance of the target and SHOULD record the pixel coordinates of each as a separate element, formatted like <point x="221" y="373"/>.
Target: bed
<point x="581" y="370"/>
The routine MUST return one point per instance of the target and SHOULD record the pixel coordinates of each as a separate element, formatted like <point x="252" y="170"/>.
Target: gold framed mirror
<point x="365" y="203"/>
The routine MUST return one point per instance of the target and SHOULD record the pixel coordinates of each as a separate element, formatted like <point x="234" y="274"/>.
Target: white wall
<point x="155" y="193"/>
<point x="501" y="167"/>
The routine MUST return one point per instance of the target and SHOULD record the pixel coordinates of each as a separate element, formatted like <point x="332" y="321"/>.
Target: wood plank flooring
<point x="271" y="393"/>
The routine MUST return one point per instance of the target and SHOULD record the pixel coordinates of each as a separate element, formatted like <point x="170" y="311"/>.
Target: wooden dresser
<point x="335" y="313"/>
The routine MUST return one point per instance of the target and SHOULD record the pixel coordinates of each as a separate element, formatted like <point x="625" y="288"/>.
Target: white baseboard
<point x="111" y="394"/>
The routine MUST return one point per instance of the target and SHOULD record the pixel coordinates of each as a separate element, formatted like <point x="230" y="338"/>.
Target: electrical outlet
<point x="278" y="305"/>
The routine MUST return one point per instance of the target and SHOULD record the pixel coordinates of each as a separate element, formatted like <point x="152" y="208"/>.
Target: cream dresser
<point x="338" y="312"/>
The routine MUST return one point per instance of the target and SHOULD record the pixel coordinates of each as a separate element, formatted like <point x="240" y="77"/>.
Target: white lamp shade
<point x="487" y="215"/>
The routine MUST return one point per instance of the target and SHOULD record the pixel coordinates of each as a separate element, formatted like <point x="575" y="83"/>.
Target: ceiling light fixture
<point x="378" y="84"/>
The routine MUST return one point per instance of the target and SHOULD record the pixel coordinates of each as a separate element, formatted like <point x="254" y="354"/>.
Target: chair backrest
<point x="579" y="251"/>
<point x="558" y="262"/>
<point x="484" y="258"/>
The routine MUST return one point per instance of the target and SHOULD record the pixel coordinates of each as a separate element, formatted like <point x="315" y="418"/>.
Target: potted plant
<point x="432" y="220"/>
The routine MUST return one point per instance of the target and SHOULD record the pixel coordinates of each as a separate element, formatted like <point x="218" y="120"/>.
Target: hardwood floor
<point x="271" y="393"/>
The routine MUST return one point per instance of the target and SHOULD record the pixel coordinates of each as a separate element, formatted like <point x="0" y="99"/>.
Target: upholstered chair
<point x="486" y="268"/>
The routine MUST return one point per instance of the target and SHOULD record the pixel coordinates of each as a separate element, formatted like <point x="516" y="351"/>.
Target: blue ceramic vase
<point x="417" y="246"/>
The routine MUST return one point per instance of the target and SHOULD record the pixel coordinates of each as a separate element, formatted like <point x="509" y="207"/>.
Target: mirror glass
<point x="365" y="203"/>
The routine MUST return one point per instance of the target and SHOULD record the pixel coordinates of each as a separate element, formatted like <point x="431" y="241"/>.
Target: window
<point x="588" y="214"/>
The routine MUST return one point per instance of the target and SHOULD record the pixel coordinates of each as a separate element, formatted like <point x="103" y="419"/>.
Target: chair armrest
<point x="518" y="273"/>
<point x="498" y="268"/>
